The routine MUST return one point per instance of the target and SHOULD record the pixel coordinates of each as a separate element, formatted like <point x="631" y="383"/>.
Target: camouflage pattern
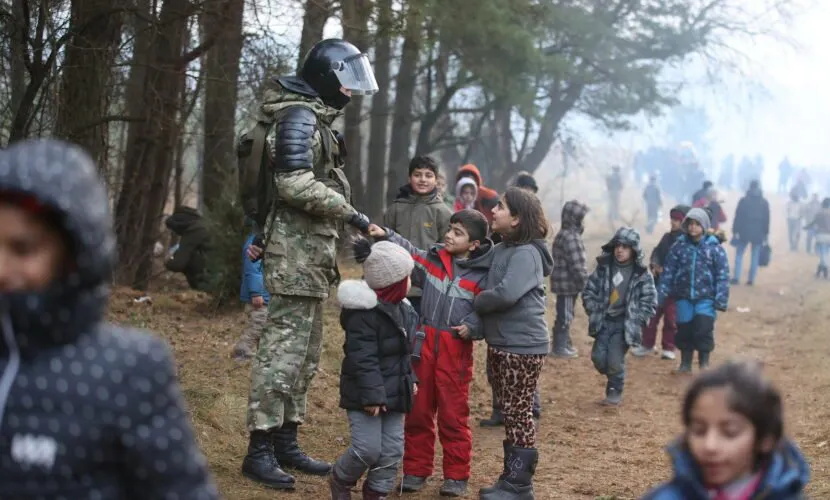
<point x="285" y="362"/>
<point x="310" y="211"/>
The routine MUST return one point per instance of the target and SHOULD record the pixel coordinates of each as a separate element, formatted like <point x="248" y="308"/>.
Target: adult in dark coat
<point x="191" y="257"/>
<point x="750" y="228"/>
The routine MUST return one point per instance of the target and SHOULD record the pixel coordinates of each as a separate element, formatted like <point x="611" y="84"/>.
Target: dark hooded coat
<point x="87" y="410"/>
<point x="191" y="257"/>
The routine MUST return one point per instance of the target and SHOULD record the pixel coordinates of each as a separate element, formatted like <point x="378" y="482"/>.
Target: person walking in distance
<point x="750" y="229"/>
<point x="299" y="248"/>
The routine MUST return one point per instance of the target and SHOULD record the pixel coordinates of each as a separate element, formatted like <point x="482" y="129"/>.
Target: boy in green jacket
<point x="419" y="213"/>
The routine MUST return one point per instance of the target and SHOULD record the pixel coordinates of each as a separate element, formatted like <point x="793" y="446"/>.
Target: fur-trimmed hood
<point x="356" y="294"/>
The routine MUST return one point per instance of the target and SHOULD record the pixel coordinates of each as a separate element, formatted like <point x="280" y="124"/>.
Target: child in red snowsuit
<point x="450" y="275"/>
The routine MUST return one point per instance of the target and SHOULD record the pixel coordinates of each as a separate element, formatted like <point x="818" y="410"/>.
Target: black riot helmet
<point x="334" y="63"/>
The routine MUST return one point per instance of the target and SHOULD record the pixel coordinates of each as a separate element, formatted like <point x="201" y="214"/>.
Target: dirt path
<point x="586" y="451"/>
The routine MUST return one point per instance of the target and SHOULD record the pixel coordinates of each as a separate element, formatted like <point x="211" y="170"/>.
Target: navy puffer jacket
<point x="87" y="410"/>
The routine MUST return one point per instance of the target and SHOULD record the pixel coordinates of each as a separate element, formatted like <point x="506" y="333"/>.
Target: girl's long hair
<point x="526" y="206"/>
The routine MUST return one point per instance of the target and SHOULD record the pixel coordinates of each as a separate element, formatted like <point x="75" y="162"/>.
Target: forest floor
<point x="586" y="451"/>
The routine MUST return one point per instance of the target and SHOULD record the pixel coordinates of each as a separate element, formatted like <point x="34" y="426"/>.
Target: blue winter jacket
<point x="784" y="477"/>
<point x="252" y="282"/>
<point x="697" y="273"/>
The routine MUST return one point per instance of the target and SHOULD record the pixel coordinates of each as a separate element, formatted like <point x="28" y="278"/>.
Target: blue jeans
<point x="823" y="249"/>
<point x="608" y="353"/>
<point x="755" y="254"/>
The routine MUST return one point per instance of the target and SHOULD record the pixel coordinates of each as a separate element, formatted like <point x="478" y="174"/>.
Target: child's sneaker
<point x="641" y="351"/>
<point x="667" y="354"/>
<point x="411" y="484"/>
<point x="453" y="488"/>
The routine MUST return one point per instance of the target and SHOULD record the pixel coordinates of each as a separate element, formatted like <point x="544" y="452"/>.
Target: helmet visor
<point x="355" y="74"/>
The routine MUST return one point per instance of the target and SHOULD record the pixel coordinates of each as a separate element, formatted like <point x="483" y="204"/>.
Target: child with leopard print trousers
<point x="620" y="299"/>
<point x="512" y="311"/>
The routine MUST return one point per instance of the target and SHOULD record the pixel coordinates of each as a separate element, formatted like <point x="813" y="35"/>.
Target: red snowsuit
<point x="443" y="362"/>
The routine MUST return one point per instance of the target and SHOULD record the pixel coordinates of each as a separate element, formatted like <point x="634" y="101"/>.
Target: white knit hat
<point x="386" y="265"/>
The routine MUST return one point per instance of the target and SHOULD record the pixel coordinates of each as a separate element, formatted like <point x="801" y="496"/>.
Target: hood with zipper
<point x="629" y="237"/>
<point x="783" y="478"/>
<point x="63" y="178"/>
<point x="76" y="390"/>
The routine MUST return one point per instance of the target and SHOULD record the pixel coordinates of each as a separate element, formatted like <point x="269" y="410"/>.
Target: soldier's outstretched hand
<point x="376" y="231"/>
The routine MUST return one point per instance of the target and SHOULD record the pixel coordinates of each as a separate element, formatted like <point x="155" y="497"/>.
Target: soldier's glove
<point x="360" y="221"/>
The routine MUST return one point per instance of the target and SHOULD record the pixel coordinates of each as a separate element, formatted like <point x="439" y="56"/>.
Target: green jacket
<point x="312" y="205"/>
<point x="422" y="220"/>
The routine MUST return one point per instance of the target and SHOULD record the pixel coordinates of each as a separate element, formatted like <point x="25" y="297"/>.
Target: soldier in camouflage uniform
<point x="311" y="206"/>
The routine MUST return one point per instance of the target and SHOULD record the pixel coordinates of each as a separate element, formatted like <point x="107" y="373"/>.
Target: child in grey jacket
<point x="620" y="299"/>
<point x="512" y="310"/>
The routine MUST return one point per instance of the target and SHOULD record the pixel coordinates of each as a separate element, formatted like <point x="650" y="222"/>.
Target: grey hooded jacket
<point x="512" y="304"/>
<point x="87" y="410"/>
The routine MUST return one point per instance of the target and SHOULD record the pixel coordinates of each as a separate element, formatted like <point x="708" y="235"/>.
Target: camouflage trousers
<point x="285" y="361"/>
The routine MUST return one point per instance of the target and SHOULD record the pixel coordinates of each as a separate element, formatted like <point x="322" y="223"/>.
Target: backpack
<point x="256" y="184"/>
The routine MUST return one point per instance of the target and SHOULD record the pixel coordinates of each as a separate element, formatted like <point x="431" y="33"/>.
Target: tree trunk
<point x="39" y="68"/>
<point x="355" y="30"/>
<point x="404" y="95"/>
<point x="84" y="96"/>
<point x="143" y="36"/>
<point x="221" y="75"/>
<point x="150" y="155"/>
<point x="379" y="127"/>
<point x="316" y="13"/>
<point x="17" y="74"/>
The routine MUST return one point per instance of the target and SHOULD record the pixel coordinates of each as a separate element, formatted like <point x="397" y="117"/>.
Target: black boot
<point x="506" y="447"/>
<point x="516" y="482"/>
<point x="824" y="271"/>
<point x="497" y="418"/>
<point x="703" y="359"/>
<point x="819" y="270"/>
<point x="686" y="358"/>
<point x="288" y="452"/>
<point x="261" y="466"/>
<point x="340" y="490"/>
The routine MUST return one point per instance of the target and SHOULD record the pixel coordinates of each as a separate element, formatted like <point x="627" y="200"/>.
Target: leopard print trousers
<point x="515" y="377"/>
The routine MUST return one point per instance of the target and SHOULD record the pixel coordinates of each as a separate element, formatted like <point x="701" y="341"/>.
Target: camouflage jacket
<point x="302" y="229"/>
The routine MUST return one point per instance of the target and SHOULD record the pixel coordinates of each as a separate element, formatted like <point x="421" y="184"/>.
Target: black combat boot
<point x="506" y="447"/>
<point x="686" y="358"/>
<point x="288" y="452"/>
<point x="703" y="359"/>
<point x="261" y="466"/>
<point x="516" y="482"/>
